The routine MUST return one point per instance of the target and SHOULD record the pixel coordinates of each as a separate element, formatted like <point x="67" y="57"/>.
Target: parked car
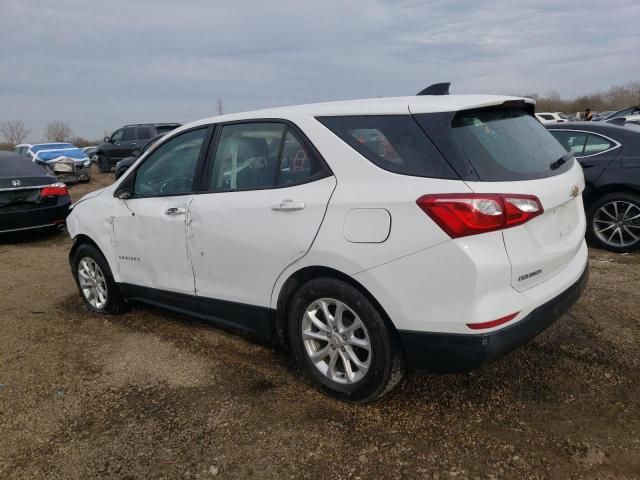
<point x="124" y="164"/>
<point x="601" y="115"/>
<point x="551" y="117"/>
<point x="29" y="198"/>
<point x="435" y="232"/>
<point x="22" y="149"/>
<point x="90" y="151"/>
<point x="125" y="140"/>
<point x="64" y="160"/>
<point x="629" y="113"/>
<point x="610" y="158"/>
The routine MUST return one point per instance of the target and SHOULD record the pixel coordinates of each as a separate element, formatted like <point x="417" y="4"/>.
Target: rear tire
<point x="98" y="289"/>
<point x="613" y="221"/>
<point x="103" y="164"/>
<point x="348" y="353"/>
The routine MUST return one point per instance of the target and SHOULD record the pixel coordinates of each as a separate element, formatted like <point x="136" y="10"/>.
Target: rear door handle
<point x="173" y="211"/>
<point x="288" y="206"/>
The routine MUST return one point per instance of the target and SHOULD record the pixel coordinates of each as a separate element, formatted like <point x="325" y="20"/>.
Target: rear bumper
<point x="35" y="217"/>
<point x="454" y="352"/>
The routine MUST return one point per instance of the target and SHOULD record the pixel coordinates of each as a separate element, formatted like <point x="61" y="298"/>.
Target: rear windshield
<point x="508" y="144"/>
<point x="393" y="142"/>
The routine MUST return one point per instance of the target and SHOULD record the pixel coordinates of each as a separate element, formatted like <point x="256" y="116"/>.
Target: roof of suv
<point x="168" y="124"/>
<point x="375" y="106"/>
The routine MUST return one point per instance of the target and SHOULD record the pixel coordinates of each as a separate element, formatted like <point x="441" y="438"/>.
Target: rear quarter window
<point x="393" y="142"/>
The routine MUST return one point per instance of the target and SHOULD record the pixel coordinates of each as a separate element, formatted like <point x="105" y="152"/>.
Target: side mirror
<point x="107" y="139"/>
<point x="124" y="195"/>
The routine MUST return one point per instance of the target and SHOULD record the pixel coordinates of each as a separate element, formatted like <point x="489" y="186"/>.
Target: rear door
<point x="267" y="192"/>
<point x="594" y="152"/>
<point x="511" y="153"/>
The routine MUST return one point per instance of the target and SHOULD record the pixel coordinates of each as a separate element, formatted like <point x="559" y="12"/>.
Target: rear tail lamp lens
<point x="54" y="190"/>
<point x="460" y="215"/>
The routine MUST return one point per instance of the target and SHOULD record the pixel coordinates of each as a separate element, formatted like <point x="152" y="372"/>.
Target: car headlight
<point x="86" y="163"/>
<point x="62" y="167"/>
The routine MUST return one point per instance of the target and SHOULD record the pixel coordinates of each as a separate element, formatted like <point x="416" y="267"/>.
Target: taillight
<point x="461" y="214"/>
<point x="54" y="190"/>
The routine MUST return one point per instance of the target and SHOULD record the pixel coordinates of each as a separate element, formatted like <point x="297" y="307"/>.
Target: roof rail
<point x="151" y="123"/>
<point x="436" y="89"/>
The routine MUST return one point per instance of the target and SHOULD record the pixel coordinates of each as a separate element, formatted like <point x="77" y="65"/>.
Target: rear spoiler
<point x="436" y="89"/>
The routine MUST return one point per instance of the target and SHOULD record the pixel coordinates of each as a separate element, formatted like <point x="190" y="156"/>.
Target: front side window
<point x="117" y="136"/>
<point x="393" y="142"/>
<point x="170" y="169"/>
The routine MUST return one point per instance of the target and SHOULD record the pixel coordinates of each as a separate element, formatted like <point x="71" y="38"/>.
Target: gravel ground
<point x="156" y="395"/>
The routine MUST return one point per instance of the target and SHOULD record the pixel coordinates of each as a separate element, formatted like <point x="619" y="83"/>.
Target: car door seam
<point x="326" y="209"/>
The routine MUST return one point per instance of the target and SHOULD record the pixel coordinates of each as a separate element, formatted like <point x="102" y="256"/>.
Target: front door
<point x="150" y="228"/>
<point x="268" y="193"/>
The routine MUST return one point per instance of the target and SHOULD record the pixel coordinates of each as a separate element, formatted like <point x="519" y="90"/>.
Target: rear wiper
<point x="558" y="163"/>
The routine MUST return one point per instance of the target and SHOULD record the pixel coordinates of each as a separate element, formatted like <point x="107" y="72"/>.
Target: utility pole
<point x="220" y="107"/>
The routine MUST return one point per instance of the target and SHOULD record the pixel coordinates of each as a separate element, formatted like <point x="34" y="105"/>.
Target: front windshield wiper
<point x="561" y="161"/>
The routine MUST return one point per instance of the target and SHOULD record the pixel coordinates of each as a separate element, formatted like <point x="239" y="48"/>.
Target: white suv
<point x="434" y="232"/>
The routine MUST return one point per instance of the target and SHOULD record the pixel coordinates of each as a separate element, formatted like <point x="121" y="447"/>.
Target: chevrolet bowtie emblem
<point x="575" y="191"/>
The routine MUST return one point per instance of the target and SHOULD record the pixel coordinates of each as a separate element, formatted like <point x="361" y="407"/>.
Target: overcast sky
<point x="99" y="65"/>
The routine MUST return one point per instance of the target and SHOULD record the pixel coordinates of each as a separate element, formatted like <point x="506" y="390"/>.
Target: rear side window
<point x="392" y="142"/>
<point x="572" y="142"/>
<point x="596" y="144"/>
<point x="144" y="133"/>
<point x="129" y="134"/>
<point x="257" y="155"/>
<point x="505" y="144"/>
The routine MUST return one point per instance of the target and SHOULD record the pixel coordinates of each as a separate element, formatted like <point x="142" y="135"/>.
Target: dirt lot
<point x="156" y="395"/>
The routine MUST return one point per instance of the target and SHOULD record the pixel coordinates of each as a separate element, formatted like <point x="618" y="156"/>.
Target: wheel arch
<point x="302" y="276"/>
<point x="609" y="188"/>
<point x="83" y="239"/>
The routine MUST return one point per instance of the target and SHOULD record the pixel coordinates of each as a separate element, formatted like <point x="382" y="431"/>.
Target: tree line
<point x="615" y="98"/>
<point x="15" y="132"/>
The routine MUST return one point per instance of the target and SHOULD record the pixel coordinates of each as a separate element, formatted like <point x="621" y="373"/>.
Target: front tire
<point x="614" y="222"/>
<point x="98" y="289"/>
<point x="342" y="343"/>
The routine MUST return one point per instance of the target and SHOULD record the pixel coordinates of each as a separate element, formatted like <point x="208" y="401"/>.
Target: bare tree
<point x="58" y="131"/>
<point x="14" y="131"/>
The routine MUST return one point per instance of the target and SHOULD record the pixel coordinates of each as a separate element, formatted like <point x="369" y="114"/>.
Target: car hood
<point x="55" y="155"/>
<point x="89" y="196"/>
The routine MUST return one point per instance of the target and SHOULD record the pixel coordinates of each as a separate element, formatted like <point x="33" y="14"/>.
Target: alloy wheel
<point x="336" y="341"/>
<point x="92" y="283"/>
<point x="617" y="223"/>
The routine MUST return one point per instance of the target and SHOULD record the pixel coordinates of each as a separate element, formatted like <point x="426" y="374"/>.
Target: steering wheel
<point x="177" y="185"/>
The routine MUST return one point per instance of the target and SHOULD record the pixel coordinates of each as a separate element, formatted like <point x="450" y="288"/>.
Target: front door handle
<point x="288" y="206"/>
<point x="173" y="211"/>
